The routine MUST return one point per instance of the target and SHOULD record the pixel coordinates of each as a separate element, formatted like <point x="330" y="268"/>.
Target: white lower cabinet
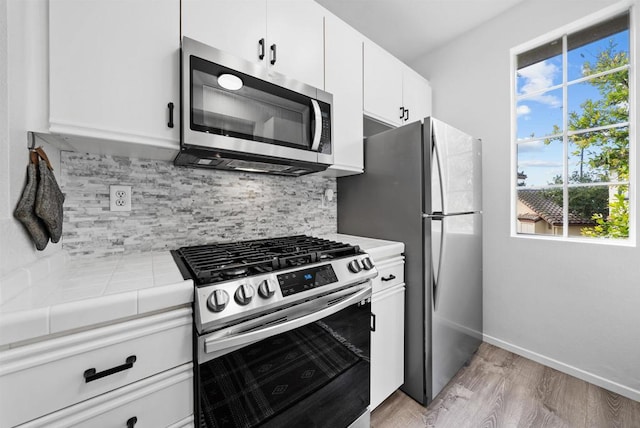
<point x="387" y="343"/>
<point x="163" y="400"/>
<point x="387" y="339"/>
<point x="108" y="368"/>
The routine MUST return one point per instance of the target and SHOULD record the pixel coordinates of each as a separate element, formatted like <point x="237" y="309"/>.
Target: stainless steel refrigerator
<point x="422" y="186"/>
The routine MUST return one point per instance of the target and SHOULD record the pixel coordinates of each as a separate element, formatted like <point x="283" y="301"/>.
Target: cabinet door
<point x="343" y="79"/>
<point x="382" y="84"/>
<point x="114" y="67"/>
<point x="387" y="344"/>
<point x="295" y="27"/>
<point x="416" y="96"/>
<point x="43" y="377"/>
<point x="162" y="400"/>
<point x="234" y="26"/>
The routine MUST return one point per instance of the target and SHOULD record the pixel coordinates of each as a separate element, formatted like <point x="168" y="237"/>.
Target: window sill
<point x="630" y="242"/>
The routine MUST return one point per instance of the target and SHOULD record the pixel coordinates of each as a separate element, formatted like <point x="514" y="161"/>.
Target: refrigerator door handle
<point x="437" y="254"/>
<point x="438" y="195"/>
<point x="435" y="216"/>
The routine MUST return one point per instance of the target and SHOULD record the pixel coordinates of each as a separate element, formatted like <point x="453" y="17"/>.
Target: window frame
<point x="562" y="33"/>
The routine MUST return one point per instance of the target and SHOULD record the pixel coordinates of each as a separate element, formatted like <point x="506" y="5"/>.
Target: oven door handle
<point x="218" y="344"/>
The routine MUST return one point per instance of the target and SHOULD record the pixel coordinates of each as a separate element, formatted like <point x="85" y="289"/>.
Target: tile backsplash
<point x="174" y="206"/>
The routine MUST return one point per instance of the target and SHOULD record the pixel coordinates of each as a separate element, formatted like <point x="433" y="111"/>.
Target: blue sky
<point x="536" y="115"/>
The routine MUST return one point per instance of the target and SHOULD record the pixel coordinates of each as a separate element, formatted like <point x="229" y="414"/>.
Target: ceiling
<point x="411" y="28"/>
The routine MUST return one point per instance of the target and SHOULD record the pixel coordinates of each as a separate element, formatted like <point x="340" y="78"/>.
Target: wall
<point x="175" y="206"/>
<point x="580" y="311"/>
<point x="16" y="45"/>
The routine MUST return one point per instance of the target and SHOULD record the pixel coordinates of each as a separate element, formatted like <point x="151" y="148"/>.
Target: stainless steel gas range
<point x="282" y="332"/>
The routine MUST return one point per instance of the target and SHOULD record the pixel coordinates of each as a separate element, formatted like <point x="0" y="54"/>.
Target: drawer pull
<point x="90" y="375"/>
<point x="391" y="277"/>
<point x="170" y="107"/>
<point x="132" y="422"/>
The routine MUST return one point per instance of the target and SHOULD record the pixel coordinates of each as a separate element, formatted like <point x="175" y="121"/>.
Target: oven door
<point x="304" y="366"/>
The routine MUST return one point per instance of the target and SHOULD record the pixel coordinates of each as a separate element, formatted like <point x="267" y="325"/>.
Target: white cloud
<point x="523" y="110"/>
<point x="537" y="77"/>
<point x="531" y="146"/>
<point x="539" y="164"/>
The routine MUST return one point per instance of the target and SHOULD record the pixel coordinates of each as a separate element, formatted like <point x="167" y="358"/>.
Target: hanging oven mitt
<point x="25" y="211"/>
<point x="49" y="198"/>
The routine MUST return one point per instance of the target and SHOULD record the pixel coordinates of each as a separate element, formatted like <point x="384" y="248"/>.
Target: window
<point x="571" y="113"/>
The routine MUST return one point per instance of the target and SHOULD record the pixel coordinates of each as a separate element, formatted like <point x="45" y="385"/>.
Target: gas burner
<point x="213" y="263"/>
<point x="235" y="272"/>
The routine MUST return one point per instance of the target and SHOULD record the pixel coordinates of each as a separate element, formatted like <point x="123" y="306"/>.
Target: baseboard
<point x="623" y="390"/>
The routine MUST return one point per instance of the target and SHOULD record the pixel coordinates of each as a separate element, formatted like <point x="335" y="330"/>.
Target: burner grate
<point x="218" y="262"/>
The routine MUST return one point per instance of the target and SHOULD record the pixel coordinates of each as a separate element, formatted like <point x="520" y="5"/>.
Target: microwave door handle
<point x="317" y="133"/>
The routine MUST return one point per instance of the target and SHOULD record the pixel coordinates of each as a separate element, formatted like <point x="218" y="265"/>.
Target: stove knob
<point x="367" y="263"/>
<point x="244" y="294"/>
<point x="218" y="300"/>
<point x="265" y="289"/>
<point x="354" y="266"/>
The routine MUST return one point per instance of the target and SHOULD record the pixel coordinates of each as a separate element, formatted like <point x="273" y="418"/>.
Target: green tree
<point x="616" y="225"/>
<point x="605" y="153"/>
<point x="583" y="201"/>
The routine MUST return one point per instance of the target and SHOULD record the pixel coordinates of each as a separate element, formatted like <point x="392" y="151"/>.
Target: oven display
<point x="303" y="280"/>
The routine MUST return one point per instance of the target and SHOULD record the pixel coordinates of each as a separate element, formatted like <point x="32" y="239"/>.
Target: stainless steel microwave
<point x="239" y="115"/>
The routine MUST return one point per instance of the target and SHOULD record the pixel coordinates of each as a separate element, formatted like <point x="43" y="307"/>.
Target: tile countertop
<point x="378" y="249"/>
<point x="58" y="293"/>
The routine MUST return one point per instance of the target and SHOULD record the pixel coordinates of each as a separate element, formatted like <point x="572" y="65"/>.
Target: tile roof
<point x="548" y="210"/>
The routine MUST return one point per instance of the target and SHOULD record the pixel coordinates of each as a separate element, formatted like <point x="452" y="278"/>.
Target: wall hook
<point x="31" y="140"/>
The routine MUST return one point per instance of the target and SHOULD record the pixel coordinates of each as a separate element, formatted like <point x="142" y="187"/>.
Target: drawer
<point x="164" y="400"/>
<point x="188" y="422"/>
<point x="390" y="273"/>
<point x="43" y="377"/>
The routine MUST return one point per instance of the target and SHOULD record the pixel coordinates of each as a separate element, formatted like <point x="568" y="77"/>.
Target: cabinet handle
<point x="373" y="321"/>
<point x="170" y="107"/>
<point x="273" y="54"/>
<point x="261" y="49"/>
<point x="401" y="112"/>
<point x="391" y="277"/>
<point x="131" y="422"/>
<point x="406" y="111"/>
<point x="90" y="374"/>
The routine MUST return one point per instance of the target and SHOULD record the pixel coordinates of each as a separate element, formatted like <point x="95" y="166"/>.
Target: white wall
<point x="20" y="95"/>
<point x="580" y="313"/>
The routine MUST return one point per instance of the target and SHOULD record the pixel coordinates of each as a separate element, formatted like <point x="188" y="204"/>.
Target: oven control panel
<point x="303" y="280"/>
<point x="219" y="304"/>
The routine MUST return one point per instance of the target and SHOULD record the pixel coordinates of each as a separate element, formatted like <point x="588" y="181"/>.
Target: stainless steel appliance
<point x="282" y="332"/>
<point x="238" y="115"/>
<point x="422" y="186"/>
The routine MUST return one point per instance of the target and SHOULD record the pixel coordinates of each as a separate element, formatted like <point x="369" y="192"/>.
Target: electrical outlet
<point x="120" y="198"/>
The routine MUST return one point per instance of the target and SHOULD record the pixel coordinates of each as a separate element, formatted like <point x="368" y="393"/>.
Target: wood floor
<point x="501" y="389"/>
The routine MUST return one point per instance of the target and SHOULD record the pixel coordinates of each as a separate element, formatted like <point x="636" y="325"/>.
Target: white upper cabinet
<point x="235" y="26"/>
<point x="393" y="93"/>
<point x="382" y="85"/>
<point x="284" y="35"/>
<point x="343" y="79"/>
<point x="295" y="30"/>
<point x="416" y="96"/>
<point x="113" y="70"/>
